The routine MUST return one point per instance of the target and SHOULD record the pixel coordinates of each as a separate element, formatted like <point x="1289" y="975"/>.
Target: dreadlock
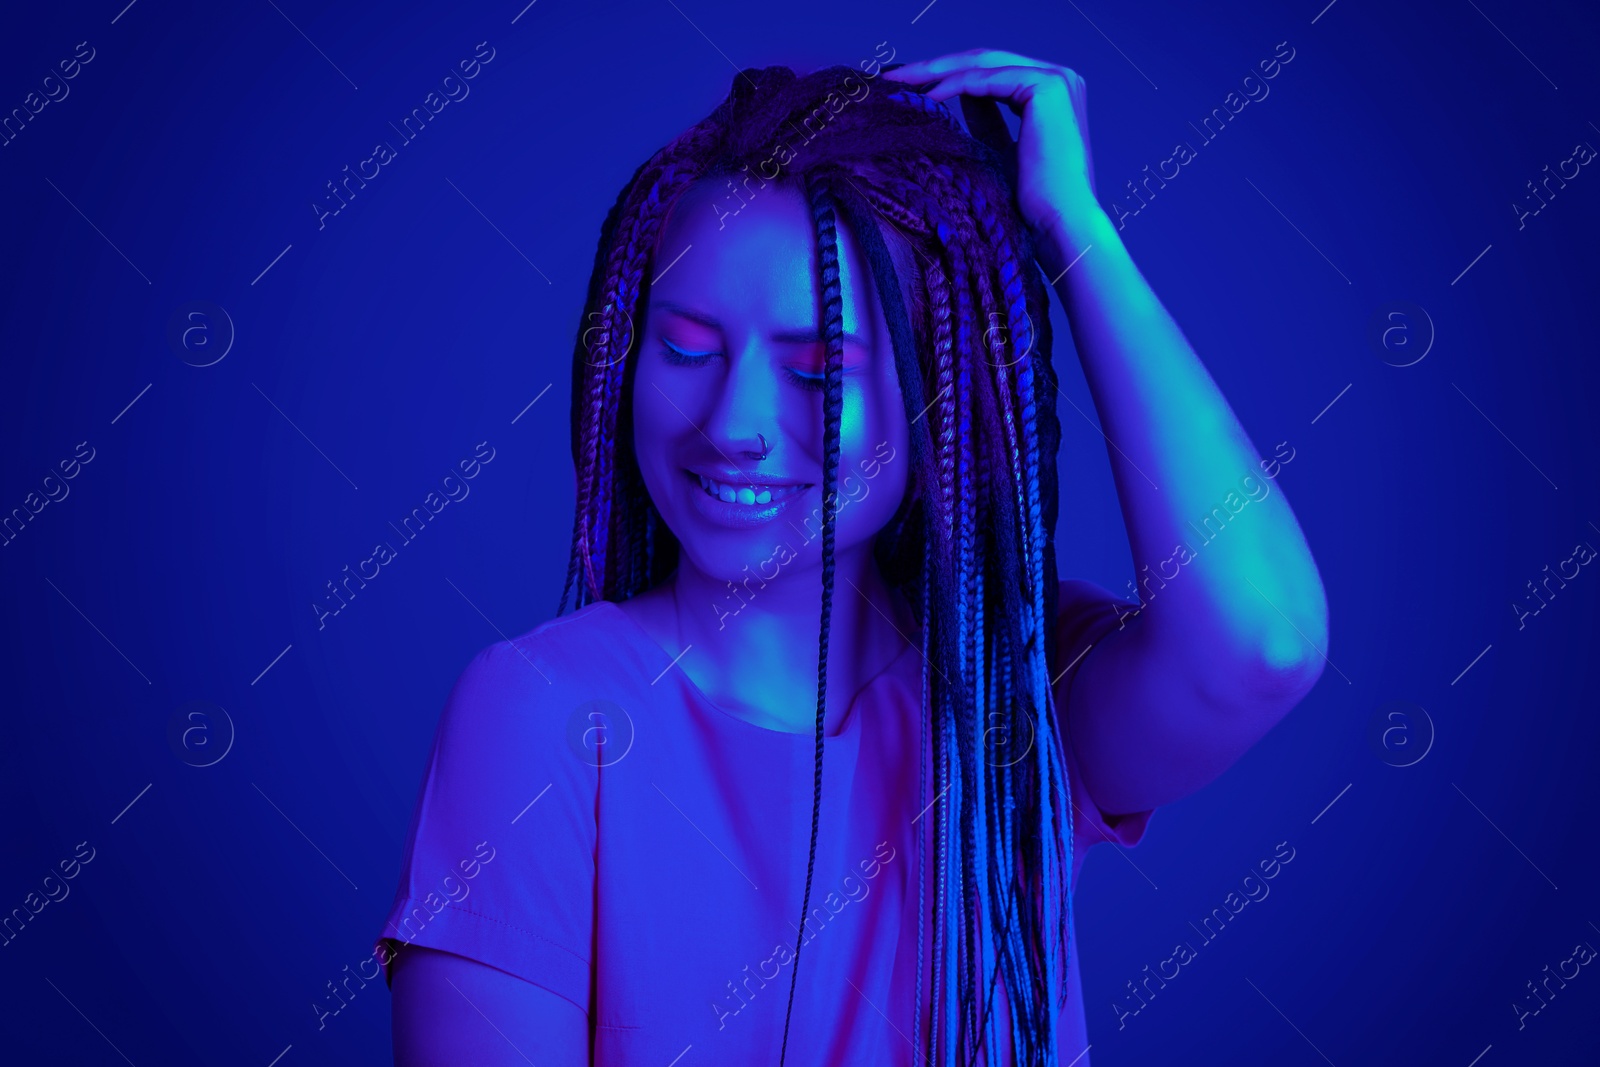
<point x="971" y="545"/>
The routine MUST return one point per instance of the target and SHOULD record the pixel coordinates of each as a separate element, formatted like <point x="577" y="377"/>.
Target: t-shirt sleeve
<point x="1087" y="613"/>
<point x="499" y="863"/>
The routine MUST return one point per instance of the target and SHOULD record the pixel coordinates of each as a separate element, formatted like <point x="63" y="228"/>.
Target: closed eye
<point x="680" y="357"/>
<point x="806" y="381"/>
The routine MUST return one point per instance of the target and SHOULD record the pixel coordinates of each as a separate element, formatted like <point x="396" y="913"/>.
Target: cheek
<point x="654" y="422"/>
<point x="883" y="493"/>
<point x="873" y="413"/>
<point x="666" y="400"/>
<point x="874" y="424"/>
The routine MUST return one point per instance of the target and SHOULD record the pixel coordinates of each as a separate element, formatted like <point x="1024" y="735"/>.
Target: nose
<point x="744" y="417"/>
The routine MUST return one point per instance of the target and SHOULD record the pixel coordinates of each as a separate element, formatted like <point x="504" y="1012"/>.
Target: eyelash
<point x="679" y="358"/>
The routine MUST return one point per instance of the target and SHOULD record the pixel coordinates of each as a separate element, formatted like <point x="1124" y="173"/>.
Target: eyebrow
<point x="805" y="335"/>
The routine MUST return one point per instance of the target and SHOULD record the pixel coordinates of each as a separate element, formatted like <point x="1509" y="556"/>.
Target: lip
<point x="736" y="515"/>
<point x="719" y="474"/>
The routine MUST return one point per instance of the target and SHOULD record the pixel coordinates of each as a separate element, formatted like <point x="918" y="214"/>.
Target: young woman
<point x="809" y="775"/>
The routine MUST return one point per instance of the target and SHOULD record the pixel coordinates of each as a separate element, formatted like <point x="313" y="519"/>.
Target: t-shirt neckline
<point x="847" y="727"/>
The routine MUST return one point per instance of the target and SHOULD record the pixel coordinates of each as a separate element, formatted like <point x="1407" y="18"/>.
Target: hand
<point x="1052" y="168"/>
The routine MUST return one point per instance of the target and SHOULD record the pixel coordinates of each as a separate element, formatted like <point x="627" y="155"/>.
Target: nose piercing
<point x="766" y="449"/>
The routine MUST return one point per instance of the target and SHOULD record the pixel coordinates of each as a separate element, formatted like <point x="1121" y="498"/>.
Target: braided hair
<point x="971" y="545"/>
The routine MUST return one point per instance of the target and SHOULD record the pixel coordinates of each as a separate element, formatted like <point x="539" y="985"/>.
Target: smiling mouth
<point x="747" y="494"/>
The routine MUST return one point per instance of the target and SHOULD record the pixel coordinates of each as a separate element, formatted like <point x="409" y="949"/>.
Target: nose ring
<point x="766" y="449"/>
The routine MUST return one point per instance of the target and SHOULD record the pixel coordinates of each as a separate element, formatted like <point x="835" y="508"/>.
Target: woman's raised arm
<point x="1234" y="631"/>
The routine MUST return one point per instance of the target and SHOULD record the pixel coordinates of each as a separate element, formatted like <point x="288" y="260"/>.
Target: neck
<point x="755" y="642"/>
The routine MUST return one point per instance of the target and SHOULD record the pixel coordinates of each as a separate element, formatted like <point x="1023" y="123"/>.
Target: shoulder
<point x="499" y="862"/>
<point x="523" y="688"/>
<point x="558" y="652"/>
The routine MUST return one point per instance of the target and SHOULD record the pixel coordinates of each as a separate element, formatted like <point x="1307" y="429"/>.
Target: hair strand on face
<point x="970" y="548"/>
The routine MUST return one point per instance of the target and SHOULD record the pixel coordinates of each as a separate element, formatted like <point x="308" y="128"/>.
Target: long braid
<point x="1057" y="810"/>
<point x="584" y="427"/>
<point x="969" y="740"/>
<point x="822" y="213"/>
<point x="990" y="880"/>
<point x="977" y="841"/>
<point x="970" y="637"/>
<point x="965" y="282"/>
<point x="947" y="530"/>
<point x="922" y="783"/>
<point x="950" y="795"/>
<point x="1009" y="942"/>
<point x="1002" y="873"/>
<point x="1003" y="878"/>
<point x="602" y="357"/>
<point x="939" y="293"/>
<point x="605" y="338"/>
<point x="608" y="373"/>
<point x="637" y="250"/>
<point x="926" y="464"/>
<point x="1027" y="626"/>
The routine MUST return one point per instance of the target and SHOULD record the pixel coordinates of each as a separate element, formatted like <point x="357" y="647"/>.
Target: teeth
<point x="745" y="494"/>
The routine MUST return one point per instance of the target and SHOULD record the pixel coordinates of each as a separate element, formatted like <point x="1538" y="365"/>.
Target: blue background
<point x="377" y="351"/>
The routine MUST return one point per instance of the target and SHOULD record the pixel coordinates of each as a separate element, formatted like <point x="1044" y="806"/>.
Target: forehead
<point x="756" y="267"/>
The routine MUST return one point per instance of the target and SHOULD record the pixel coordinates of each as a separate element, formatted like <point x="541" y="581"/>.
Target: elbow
<point x="1290" y="656"/>
<point x="1261" y="685"/>
<point x="1277" y="684"/>
<point x="1253" y="669"/>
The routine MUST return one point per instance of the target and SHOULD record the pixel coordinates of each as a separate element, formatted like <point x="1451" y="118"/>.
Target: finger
<point x="1013" y="86"/>
<point x="976" y="58"/>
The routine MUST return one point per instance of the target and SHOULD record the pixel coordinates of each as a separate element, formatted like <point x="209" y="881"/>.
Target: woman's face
<point x="730" y="349"/>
